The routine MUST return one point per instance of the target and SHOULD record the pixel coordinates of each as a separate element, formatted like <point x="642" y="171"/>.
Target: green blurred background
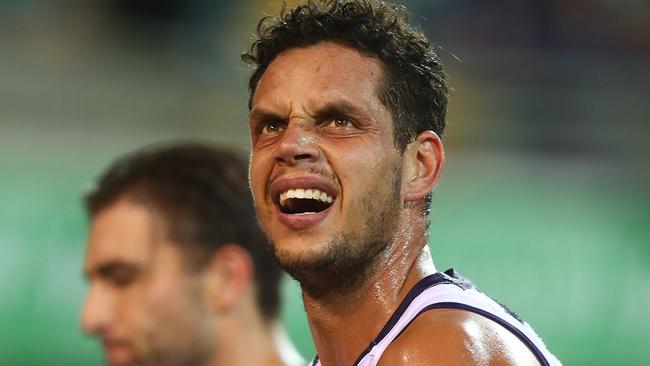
<point x="544" y="201"/>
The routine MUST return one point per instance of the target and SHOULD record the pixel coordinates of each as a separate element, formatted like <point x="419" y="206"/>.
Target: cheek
<point x="134" y="317"/>
<point x="166" y="311"/>
<point x="258" y="182"/>
<point x="369" y="183"/>
<point x="259" y="173"/>
<point x="169" y="281"/>
<point x="360" y="171"/>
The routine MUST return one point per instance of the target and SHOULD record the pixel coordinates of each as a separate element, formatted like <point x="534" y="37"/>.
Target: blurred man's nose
<point x="298" y="145"/>
<point x="96" y="313"/>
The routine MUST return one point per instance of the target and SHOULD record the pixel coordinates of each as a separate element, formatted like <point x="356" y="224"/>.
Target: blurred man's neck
<point x="245" y="338"/>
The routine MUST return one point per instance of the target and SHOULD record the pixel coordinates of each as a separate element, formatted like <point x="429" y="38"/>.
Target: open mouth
<point x="304" y="201"/>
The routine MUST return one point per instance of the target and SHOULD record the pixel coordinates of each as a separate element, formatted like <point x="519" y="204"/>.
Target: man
<point x="347" y="110"/>
<point x="178" y="271"/>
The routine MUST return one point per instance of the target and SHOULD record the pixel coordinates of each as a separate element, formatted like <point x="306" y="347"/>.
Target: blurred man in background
<point x="178" y="270"/>
<point x="348" y="105"/>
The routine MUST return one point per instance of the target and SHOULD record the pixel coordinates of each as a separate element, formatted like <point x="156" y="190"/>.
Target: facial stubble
<point x="346" y="261"/>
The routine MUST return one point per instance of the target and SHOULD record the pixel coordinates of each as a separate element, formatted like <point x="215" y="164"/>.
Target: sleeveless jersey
<point x="449" y="290"/>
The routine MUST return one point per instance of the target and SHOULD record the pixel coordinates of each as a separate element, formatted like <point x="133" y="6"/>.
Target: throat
<point x="330" y="320"/>
<point x="368" y="307"/>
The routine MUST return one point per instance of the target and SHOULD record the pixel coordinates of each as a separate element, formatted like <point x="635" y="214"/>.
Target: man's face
<point x="145" y="307"/>
<point x="320" y="132"/>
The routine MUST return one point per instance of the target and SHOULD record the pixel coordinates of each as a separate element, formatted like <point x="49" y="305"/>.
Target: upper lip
<point x="114" y="342"/>
<point x="306" y="182"/>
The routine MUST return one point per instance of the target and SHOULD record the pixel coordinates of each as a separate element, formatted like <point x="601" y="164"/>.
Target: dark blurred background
<point x="544" y="202"/>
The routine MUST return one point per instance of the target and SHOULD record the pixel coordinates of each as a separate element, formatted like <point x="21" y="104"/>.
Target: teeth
<point x="314" y="194"/>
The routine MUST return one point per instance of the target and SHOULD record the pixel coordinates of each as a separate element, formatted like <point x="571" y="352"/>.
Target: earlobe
<point x="424" y="162"/>
<point x="228" y="277"/>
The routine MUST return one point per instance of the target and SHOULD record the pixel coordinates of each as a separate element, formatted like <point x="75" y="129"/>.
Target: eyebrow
<point x="113" y="269"/>
<point x="336" y="107"/>
<point x="265" y="114"/>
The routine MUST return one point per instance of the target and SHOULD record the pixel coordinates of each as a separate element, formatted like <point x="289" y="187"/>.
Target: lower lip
<point x="118" y="354"/>
<point x="302" y="221"/>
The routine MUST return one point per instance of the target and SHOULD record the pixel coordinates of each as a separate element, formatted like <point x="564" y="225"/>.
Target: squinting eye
<point x="270" y="127"/>
<point x="340" y="122"/>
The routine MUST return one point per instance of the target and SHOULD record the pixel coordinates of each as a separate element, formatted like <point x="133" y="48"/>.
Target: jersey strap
<point x="450" y="290"/>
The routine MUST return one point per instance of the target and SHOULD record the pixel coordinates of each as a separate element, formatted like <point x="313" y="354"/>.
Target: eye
<point x="270" y="127"/>
<point x="123" y="277"/>
<point x="339" y="122"/>
<point x="118" y="274"/>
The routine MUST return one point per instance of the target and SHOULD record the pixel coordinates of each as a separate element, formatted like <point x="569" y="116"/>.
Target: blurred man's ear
<point x="228" y="277"/>
<point x="423" y="162"/>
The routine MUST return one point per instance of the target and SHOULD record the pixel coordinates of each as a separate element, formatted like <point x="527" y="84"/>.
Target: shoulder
<point x="453" y="337"/>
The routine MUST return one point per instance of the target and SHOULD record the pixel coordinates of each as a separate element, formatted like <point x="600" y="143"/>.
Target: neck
<point x="246" y="339"/>
<point x="369" y="306"/>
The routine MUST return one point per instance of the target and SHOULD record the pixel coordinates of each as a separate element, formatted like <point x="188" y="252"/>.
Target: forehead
<point x="125" y="231"/>
<point x="322" y="71"/>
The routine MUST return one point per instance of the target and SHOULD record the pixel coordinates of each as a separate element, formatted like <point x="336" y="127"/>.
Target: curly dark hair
<point x="414" y="87"/>
<point x="201" y="192"/>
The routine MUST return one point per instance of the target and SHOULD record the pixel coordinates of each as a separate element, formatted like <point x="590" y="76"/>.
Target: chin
<point x="120" y="359"/>
<point x="294" y="250"/>
<point x="331" y="268"/>
<point x="283" y="238"/>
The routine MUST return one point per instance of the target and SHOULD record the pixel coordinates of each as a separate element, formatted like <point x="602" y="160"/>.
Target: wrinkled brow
<point x="338" y="107"/>
<point x="262" y="114"/>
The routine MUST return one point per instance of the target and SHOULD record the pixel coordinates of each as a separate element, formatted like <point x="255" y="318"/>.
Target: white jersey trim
<point x="448" y="292"/>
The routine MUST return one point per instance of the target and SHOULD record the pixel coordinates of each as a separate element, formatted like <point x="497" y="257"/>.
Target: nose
<point x="298" y="145"/>
<point x="96" y="313"/>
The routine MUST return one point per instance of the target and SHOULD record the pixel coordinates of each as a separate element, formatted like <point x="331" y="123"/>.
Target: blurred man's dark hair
<point x="202" y="194"/>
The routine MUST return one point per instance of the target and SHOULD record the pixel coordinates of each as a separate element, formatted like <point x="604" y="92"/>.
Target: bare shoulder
<point x="453" y="337"/>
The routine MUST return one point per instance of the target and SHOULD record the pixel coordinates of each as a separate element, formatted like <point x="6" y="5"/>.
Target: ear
<point x="228" y="277"/>
<point x="423" y="162"/>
